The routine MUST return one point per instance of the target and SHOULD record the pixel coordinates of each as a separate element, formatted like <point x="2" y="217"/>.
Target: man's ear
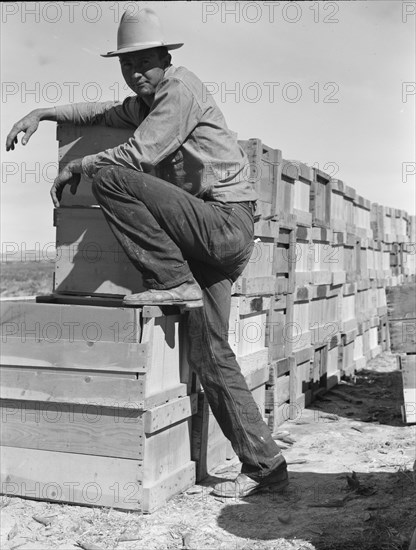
<point x="168" y="60"/>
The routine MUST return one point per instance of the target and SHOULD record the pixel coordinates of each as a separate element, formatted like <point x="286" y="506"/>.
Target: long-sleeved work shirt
<point x="182" y="137"/>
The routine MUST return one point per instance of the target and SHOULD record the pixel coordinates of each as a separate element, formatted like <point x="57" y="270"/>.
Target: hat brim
<point x="140" y="47"/>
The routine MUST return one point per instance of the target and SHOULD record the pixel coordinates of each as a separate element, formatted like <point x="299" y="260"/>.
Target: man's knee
<point x="106" y="179"/>
<point x="101" y="179"/>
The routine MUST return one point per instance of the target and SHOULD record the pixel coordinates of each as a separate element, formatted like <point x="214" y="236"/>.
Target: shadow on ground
<point x="327" y="511"/>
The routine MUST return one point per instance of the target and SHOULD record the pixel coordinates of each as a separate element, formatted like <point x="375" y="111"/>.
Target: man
<point x="189" y="230"/>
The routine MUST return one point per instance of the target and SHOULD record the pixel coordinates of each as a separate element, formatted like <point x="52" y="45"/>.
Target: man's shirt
<point x="182" y="137"/>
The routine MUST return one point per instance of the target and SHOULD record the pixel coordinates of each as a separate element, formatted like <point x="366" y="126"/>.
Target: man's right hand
<point x="28" y="124"/>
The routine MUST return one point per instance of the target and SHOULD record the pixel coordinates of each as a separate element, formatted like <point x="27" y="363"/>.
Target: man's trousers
<point x="170" y="235"/>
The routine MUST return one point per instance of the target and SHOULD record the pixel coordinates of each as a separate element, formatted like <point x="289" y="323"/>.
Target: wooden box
<point x="321" y="199"/>
<point x="401" y="304"/>
<point x="89" y="259"/>
<point x="281" y="330"/>
<point x="315" y="255"/>
<point x="94" y="455"/>
<point x="265" y="165"/>
<point x="80" y="354"/>
<point x="338" y="221"/>
<point x="362" y="218"/>
<point x="296" y="180"/>
<point x="278" y="392"/>
<point x="301" y="176"/>
<point x="79" y="141"/>
<point x="271" y="268"/>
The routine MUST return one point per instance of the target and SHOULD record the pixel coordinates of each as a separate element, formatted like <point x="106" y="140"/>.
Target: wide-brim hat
<point x="140" y="31"/>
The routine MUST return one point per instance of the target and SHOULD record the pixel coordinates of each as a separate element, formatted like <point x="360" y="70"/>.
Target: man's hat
<point x="139" y="31"/>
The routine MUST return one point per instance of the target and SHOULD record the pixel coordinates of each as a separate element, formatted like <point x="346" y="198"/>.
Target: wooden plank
<point x="52" y="322"/>
<point x="68" y="386"/>
<point x="85" y="387"/>
<point x="157" y="494"/>
<point x="123" y="431"/>
<point x="72" y="478"/>
<point x="408" y="367"/>
<point x="88" y="480"/>
<point x="67" y="428"/>
<point x="169" y="413"/>
<point x="110" y="356"/>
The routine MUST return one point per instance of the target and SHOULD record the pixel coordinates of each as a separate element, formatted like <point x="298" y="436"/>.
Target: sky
<point x="331" y="84"/>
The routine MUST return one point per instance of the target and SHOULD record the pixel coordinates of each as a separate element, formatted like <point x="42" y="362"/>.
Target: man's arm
<point x="108" y="113"/>
<point x="29" y="124"/>
<point x="173" y="116"/>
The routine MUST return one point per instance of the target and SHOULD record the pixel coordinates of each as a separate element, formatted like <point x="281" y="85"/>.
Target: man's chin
<point x="144" y="91"/>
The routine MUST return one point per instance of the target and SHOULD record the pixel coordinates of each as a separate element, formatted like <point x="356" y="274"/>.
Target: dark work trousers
<point x="170" y="235"/>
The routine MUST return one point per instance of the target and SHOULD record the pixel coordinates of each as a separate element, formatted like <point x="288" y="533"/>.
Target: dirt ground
<point x="356" y="428"/>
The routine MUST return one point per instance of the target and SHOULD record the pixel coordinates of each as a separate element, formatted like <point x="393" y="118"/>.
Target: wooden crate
<point x="265" y="165"/>
<point x="82" y="354"/>
<point x="402" y="226"/>
<point x="390" y="232"/>
<point x="338" y="221"/>
<point x="281" y="332"/>
<point x="377" y="221"/>
<point x="383" y="333"/>
<point x="324" y="314"/>
<point x="362" y="217"/>
<point x="349" y="200"/>
<point x="358" y="352"/>
<point x="248" y="324"/>
<point x="335" y="258"/>
<point x="271" y="268"/>
<point x="301" y="373"/>
<point x="89" y="259"/>
<point x="407" y="364"/>
<point x="375" y="347"/>
<point x="348" y="320"/>
<point x="278" y="392"/>
<point x="334" y="364"/>
<point x="301" y="175"/>
<point x="408" y="258"/>
<point x="348" y="352"/>
<point x="401" y="304"/>
<point x="258" y="277"/>
<point x="102" y="456"/>
<point x="78" y="141"/>
<point x="321" y="199"/>
<point x="314" y="256"/>
<point x="301" y="333"/>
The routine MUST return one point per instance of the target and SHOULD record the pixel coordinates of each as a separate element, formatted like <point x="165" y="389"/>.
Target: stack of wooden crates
<point x="97" y="399"/>
<point x="99" y="404"/>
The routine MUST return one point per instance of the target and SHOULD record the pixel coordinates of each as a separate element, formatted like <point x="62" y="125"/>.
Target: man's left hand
<point x="70" y="175"/>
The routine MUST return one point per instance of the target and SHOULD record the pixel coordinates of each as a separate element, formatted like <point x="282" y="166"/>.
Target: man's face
<point x="142" y="71"/>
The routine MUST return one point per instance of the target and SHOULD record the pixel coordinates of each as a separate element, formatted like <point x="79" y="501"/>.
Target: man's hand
<point x="29" y="124"/>
<point x="70" y="175"/>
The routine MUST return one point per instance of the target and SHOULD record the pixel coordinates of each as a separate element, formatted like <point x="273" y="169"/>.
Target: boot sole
<point x="276" y="487"/>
